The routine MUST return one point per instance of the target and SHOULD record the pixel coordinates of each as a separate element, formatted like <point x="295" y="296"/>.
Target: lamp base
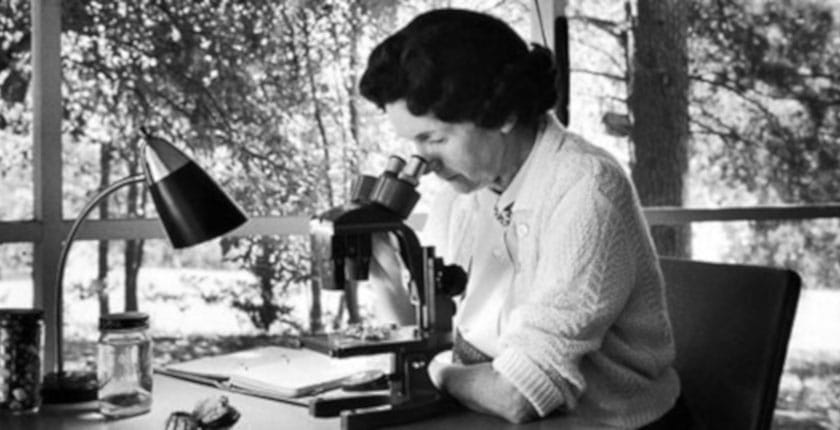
<point x="69" y="387"/>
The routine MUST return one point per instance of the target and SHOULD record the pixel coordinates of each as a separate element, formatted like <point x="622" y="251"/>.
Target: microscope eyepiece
<point x="413" y="170"/>
<point x="394" y="166"/>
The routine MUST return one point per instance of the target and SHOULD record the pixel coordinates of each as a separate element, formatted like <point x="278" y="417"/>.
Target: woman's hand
<point x="439" y="366"/>
<point x="480" y="388"/>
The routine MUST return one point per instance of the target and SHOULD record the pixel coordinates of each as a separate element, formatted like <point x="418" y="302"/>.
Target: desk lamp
<point x="191" y="207"/>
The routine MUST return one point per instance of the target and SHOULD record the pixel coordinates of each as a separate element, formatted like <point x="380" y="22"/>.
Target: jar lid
<point x="123" y="321"/>
<point x="21" y="314"/>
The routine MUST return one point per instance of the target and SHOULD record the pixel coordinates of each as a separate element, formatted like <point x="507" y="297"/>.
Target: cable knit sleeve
<point x="583" y="276"/>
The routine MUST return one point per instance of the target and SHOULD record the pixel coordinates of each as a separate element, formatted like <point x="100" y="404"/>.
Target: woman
<point x="564" y="310"/>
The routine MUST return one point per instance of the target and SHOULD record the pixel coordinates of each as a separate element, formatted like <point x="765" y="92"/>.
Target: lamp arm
<point x="62" y="261"/>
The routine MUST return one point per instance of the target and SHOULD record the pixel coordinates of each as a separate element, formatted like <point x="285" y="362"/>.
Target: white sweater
<point x="573" y="312"/>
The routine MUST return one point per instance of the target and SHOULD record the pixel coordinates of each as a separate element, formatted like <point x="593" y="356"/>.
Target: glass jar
<point x="124" y="364"/>
<point x="21" y="370"/>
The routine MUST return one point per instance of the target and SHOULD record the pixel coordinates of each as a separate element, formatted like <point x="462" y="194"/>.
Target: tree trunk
<point x="659" y="106"/>
<point x="133" y="253"/>
<point x="102" y="247"/>
<point x="316" y="313"/>
<point x="318" y="114"/>
<point x="133" y="261"/>
<point x="352" y="88"/>
<point x="316" y="307"/>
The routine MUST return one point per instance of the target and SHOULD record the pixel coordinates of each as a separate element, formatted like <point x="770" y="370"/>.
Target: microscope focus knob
<point x="452" y="279"/>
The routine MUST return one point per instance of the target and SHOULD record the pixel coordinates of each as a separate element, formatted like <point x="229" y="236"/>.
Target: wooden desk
<point x="172" y="394"/>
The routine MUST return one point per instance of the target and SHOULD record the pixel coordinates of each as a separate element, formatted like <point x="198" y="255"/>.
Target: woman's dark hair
<point x="461" y="66"/>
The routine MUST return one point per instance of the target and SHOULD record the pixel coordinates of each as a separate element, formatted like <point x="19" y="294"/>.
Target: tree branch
<point x="597" y="73"/>
<point x="774" y="120"/>
<point x="612" y="28"/>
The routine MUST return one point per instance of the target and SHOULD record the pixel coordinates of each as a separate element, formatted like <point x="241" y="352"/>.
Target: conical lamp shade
<point x="191" y="206"/>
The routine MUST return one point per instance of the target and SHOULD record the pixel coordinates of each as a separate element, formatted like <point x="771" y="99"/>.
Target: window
<point x="15" y="154"/>
<point x="16" y="275"/>
<point x="263" y="97"/>
<point x="216" y="82"/>
<point x="15" y="111"/>
<point x="16" y="166"/>
<point x="761" y="183"/>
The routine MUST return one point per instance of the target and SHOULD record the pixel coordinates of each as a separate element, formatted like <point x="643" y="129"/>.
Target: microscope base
<point x="333" y="407"/>
<point x="389" y="415"/>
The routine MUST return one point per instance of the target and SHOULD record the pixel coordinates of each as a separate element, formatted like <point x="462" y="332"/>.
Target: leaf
<point x="14" y="87"/>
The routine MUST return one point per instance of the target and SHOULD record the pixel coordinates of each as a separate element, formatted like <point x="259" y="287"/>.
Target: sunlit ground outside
<point x="183" y="324"/>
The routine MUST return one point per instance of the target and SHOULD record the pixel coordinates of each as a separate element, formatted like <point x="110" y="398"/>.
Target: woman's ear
<point x="508" y="125"/>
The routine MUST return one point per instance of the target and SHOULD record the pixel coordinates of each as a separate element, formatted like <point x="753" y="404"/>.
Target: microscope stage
<point x="340" y="345"/>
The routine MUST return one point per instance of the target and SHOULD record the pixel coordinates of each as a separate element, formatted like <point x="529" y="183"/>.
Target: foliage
<point x="765" y="120"/>
<point x="278" y="265"/>
<point x="777" y="63"/>
<point x="240" y="85"/>
<point x="764" y="112"/>
<point x="15" y="153"/>
<point x="13" y="184"/>
<point x="15" y="74"/>
<point x="15" y="69"/>
<point x="263" y="94"/>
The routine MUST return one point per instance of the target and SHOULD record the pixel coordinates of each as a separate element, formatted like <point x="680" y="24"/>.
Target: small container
<point x="21" y="370"/>
<point x="124" y="364"/>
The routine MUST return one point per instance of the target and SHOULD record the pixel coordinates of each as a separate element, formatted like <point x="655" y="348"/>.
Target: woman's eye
<point x="437" y="141"/>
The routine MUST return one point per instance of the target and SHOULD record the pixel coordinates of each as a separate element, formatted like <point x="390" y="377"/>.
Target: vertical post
<point x="46" y="147"/>
<point x="549" y="27"/>
<point x="658" y="102"/>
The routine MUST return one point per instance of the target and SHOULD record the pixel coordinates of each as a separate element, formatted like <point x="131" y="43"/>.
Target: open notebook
<point x="278" y="372"/>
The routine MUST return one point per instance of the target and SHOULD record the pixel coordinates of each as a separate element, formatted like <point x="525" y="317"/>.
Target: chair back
<point x="731" y="327"/>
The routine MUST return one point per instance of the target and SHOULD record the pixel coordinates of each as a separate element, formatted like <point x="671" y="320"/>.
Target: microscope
<point x="341" y="254"/>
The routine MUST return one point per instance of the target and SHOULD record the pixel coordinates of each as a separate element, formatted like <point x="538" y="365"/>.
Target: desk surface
<point x="172" y="394"/>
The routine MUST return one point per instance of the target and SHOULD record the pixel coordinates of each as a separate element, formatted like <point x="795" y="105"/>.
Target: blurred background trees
<point x="263" y="94"/>
<point x="765" y="109"/>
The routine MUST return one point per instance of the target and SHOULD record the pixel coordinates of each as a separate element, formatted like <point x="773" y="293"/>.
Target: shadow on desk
<point x="172" y="394"/>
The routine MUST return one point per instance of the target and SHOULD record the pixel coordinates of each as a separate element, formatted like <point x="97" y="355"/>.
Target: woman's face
<point x="468" y="157"/>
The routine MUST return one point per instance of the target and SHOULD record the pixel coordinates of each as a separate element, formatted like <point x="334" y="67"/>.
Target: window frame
<point x="47" y="229"/>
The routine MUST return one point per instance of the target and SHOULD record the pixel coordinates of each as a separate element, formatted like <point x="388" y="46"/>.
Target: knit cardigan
<point x="586" y="331"/>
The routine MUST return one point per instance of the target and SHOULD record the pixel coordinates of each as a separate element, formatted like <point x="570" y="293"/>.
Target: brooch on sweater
<point x="503" y="215"/>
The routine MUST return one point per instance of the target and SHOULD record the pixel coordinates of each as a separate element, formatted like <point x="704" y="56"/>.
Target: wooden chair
<point x="731" y="327"/>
